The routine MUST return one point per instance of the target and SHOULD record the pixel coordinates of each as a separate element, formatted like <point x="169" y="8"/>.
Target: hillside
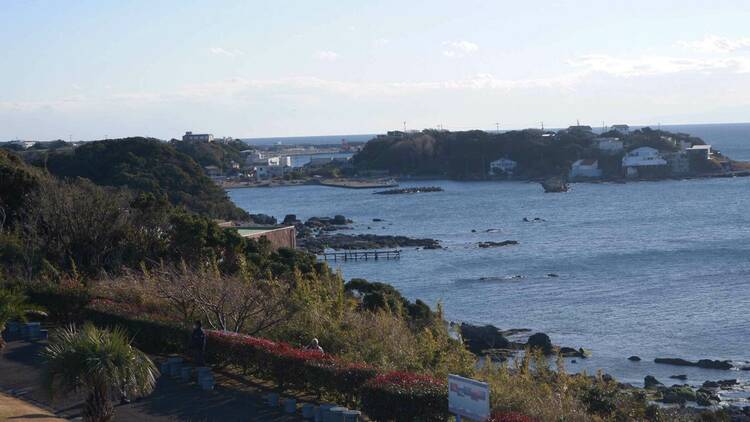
<point x="466" y="155"/>
<point x="17" y="181"/>
<point x="216" y="154"/>
<point x="146" y="165"/>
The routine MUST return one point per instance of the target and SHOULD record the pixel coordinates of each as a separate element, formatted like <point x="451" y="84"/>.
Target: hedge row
<point x="405" y="396"/>
<point x="396" y="396"/>
<point x="286" y="365"/>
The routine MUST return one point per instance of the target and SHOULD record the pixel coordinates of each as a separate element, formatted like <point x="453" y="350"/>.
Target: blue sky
<point x="95" y="69"/>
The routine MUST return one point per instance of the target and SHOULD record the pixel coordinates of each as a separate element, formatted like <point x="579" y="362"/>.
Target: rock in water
<point x="479" y="338"/>
<point x="497" y="244"/>
<point x="634" y="359"/>
<point x="555" y="184"/>
<point x="263" y="219"/>
<point x="703" y="363"/>
<point x="540" y="341"/>
<point x="651" y="382"/>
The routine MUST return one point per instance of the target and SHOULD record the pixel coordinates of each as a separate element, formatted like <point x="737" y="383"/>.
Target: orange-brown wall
<point x="285" y="237"/>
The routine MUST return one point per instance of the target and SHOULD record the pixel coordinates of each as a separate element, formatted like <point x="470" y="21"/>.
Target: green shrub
<point x="149" y="336"/>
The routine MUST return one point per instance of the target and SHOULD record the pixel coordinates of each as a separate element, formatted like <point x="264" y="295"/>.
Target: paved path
<point x="172" y="400"/>
<point x="12" y="409"/>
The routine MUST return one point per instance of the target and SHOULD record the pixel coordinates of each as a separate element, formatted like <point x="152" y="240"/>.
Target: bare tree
<point x="238" y="303"/>
<point x="77" y="220"/>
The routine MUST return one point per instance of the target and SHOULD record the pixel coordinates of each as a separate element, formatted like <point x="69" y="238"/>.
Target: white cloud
<point x="227" y="53"/>
<point x="455" y="49"/>
<point x="658" y="65"/>
<point x="327" y="55"/>
<point x="716" y="44"/>
<point x="241" y="88"/>
<point x="381" y="42"/>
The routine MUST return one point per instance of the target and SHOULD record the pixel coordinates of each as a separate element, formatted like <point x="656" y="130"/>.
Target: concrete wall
<point x="283" y="237"/>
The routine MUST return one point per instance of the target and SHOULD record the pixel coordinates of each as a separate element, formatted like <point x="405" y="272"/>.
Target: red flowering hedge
<point x="405" y="396"/>
<point x="400" y="396"/>
<point x="286" y="365"/>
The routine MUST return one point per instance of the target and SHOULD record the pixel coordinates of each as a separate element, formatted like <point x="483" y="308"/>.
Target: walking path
<point x="172" y="400"/>
<point x="18" y="410"/>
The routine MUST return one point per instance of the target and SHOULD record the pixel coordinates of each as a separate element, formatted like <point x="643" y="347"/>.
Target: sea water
<point x="653" y="269"/>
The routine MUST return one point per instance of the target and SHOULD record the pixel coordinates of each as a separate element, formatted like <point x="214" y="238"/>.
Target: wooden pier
<point x="360" y="255"/>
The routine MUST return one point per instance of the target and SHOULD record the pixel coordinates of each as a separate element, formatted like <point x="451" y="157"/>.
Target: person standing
<point x="198" y="344"/>
<point x="314" y="345"/>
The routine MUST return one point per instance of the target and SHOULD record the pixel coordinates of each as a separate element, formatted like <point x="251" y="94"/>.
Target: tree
<point x="13" y="305"/>
<point x="100" y="363"/>
<point x="76" y="223"/>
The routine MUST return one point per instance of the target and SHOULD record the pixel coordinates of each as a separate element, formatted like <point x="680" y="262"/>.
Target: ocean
<point x="653" y="269"/>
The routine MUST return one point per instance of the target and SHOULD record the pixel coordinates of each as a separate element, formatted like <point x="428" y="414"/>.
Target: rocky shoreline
<point x="501" y="345"/>
<point x="316" y="235"/>
<point x="410" y="190"/>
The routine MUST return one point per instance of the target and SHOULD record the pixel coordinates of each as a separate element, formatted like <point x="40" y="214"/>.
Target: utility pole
<point x="542" y="126"/>
<point x="404" y="126"/>
<point x="497" y="127"/>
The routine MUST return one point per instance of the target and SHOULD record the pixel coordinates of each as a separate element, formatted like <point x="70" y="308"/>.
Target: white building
<point x="621" y="128"/>
<point x="700" y="151"/>
<point x="503" y="166"/>
<point x="268" y="167"/>
<point x="640" y="158"/>
<point x="197" y="137"/>
<point x="587" y="168"/>
<point x="23" y="144"/>
<point x="609" y="145"/>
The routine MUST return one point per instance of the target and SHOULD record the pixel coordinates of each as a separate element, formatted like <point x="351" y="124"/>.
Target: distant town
<point x="578" y="153"/>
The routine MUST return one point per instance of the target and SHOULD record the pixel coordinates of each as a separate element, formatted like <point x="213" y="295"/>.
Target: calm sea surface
<point x="654" y="269"/>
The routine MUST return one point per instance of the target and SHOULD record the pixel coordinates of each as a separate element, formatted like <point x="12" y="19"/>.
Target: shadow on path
<point x="172" y="400"/>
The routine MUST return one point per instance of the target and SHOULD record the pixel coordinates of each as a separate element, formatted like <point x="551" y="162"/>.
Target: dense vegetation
<point x="49" y="227"/>
<point x="145" y="165"/>
<point x="467" y="155"/>
<point x="221" y="155"/>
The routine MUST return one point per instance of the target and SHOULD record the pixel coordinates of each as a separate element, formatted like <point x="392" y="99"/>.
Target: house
<point x="678" y="162"/>
<point x="269" y="167"/>
<point x="279" y="237"/>
<point x="253" y="157"/>
<point x="621" y="128"/>
<point x="609" y="146"/>
<point x="702" y="152"/>
<point x="587" y="168"/>
<point x="503" y="166"/>
<point x="197" y="137"/>
<point x="643" y="162"/>
<point x="23" y="144"/>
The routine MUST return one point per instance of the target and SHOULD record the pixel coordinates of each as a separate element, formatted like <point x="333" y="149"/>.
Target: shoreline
<point x="380" y="183"/>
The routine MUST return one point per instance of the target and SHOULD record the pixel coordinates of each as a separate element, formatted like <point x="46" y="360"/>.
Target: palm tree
<point x="99" y="362"/>
<point x="13" y="305"/>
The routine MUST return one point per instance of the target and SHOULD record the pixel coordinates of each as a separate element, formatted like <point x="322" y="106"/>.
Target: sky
<point x="105" y="69"/>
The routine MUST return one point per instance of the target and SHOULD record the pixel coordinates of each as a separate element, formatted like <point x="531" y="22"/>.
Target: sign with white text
<point x="468" y="398"/>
